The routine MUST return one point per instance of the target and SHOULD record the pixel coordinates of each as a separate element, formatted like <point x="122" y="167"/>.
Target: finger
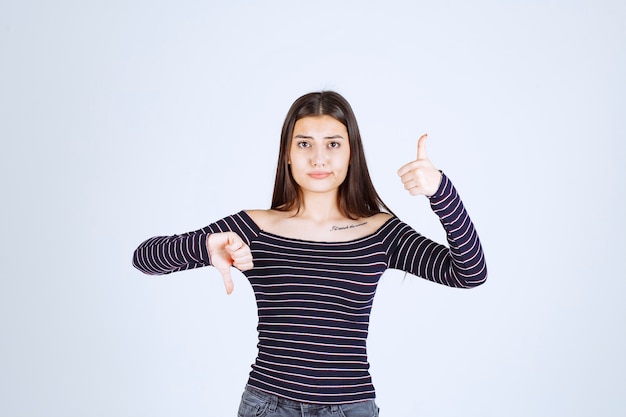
<point x="410" y="184"/>
<point x="228" y="281"/>
<point x="421" y="147"/>
<point x="410" y="171"/>
<point x="234" y="242"/>
<point x="241" y="257"/>
<point x="405" y="169"/>
<point x="232" y="239"/>
<point x="245" y="266"/>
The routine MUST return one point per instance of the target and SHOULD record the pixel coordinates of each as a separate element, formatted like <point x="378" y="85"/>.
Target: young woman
<point x="315" y="257"/>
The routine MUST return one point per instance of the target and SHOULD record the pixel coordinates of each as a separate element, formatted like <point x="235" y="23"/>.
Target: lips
<point x="319" y="175"/>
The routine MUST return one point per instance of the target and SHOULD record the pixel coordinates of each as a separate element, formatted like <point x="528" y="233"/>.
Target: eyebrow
<point x="311" y="137"/>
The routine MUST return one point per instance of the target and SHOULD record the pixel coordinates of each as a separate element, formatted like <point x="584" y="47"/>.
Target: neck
<point x="320" y="207"/>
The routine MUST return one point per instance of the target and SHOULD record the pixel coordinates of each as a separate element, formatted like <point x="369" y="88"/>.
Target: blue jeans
<point x="256" y="403"/>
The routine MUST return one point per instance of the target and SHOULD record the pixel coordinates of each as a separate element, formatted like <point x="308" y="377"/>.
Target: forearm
<point x="465" y="264"/>
<point x="166" y="254"/>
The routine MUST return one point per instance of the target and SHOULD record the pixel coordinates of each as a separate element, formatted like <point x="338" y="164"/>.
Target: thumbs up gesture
<point x="228" y="249"/>
<point x="420" y="177"/>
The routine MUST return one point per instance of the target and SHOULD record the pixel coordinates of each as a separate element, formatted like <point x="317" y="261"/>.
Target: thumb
<point x="228" y="280"/>
<point x="421" y="147"/>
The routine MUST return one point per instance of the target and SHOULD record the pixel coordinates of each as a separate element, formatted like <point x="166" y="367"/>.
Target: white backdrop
<point x="121" y="120"/>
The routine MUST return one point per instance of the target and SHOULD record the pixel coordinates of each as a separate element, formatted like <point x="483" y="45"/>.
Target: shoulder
<point x="265" y="219"/>
<point x="377" y="220"/>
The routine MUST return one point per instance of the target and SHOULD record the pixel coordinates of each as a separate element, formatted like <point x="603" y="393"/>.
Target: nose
<point x="319" y="158"/>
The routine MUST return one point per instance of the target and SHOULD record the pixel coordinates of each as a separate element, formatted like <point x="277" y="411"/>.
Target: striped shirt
<point x="314" y="298"/>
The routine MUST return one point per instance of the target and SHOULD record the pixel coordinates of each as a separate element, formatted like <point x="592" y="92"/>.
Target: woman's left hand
<point x="420" y="177"/>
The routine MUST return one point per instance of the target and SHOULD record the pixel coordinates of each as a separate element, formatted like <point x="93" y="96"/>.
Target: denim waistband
<point x="275" y="400"/>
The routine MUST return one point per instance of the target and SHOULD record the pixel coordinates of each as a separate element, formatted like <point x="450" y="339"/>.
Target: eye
<point x="334" y="145"/>
<point x="303" y="144"/>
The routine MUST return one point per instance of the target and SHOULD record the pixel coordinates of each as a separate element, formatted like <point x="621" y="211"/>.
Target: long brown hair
<point x="357" y="196"/>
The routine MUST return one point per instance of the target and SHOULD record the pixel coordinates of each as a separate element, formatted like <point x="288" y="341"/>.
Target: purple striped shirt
<point x="314" y="298"/>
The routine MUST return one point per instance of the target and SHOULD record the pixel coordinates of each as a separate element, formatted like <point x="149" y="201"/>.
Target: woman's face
<point x="319" y="154"/>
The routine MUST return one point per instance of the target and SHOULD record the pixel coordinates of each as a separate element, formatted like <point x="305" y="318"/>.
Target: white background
<point x="121" y="120"/>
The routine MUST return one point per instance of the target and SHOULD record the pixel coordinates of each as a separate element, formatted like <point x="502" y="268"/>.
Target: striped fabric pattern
<point x="314" y="298"/>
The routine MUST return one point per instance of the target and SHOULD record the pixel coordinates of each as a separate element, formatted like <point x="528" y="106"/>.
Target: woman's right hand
<point x="420" y="177"/>
<point x="228" y="249"/>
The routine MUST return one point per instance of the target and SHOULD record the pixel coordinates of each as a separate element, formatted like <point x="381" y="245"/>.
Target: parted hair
<point x="357" y="195"/>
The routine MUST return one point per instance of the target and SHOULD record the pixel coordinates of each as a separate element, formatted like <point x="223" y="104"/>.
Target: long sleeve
<point x="462" y="264"/>
<point x="166" y="254"/>
<point x="161" y="255"/>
